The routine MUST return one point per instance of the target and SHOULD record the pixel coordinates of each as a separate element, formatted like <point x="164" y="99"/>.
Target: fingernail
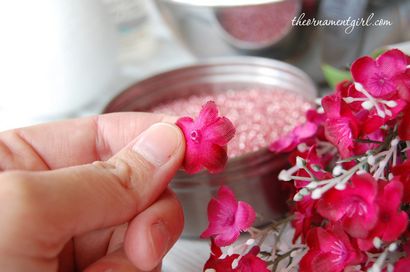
<point x="161" y="238"/>
<point x="158" y="143"/>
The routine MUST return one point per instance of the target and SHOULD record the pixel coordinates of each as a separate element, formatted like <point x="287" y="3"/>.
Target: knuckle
<point x="130" y="173"/>
<point x="16" y="152"/>
<point x="6" y="154"/>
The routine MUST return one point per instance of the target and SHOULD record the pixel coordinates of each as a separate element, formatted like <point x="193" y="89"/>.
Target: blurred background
<point x="62" y="59"/>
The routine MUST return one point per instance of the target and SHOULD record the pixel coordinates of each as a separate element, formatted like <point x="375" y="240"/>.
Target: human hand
<point x="89" y="194"/>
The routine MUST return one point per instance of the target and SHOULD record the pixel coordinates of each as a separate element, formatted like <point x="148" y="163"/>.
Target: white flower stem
<point x="388" y="154"/>
<point x="301" y="178"/>
<point x="379" y="263"/>
<point x="372" y="100"/>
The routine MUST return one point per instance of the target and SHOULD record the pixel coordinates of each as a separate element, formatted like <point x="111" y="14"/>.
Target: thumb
<point x="82" y="198"/>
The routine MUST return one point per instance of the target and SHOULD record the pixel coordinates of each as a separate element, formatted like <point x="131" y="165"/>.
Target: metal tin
<point x="221" y="28"/>
<point x="253" y="176"/>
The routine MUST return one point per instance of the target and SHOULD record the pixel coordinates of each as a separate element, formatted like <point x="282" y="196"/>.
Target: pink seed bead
<point x="260" y="115"/>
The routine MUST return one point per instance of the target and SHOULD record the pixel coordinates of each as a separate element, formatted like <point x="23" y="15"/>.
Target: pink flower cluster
<point x="351" y="182"/>
<point x="351" y="174"/>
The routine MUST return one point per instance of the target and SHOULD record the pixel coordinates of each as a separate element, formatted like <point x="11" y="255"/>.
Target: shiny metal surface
<point x="250" y="27"/>
<point x="253" y="176"/>
<point x="224" y="3"/>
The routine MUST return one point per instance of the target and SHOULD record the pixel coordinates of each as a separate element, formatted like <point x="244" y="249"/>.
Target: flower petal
<point x="284" y="144"/>
<point x="226" y="238"/>
<point x="298" y="135"/>
<point x="360" y="225"/>
<point x="398" y="226"/>
<point x="215" y="250"/>
<point x="398" y="220"/>
<point x="186" y="124"/>
<point x="362" y="68"/>
<point x="216" y="262"/>
<point x="307" y="262"/>
<point x="220" y="132"/>
<point x="245" y="216"/>
<point x="392" y="62"/>
<point x="193" y="159"/>
<point x="402" y="265"/>
<point x="402" y="172"/>
<point x="392" y="194"/>
<point x="326" y="262"/>
<point x="339" y="132"/>
<point x="208" y="114"/>
<point x="305" y="130"/>
<point x="227" y="198"/>
<point x="252" y="263"/>
<point x="374" y="123"/>
<point x="331" y="106"/>
<point x="404" y="126"/>
<point x="214" y="158"/>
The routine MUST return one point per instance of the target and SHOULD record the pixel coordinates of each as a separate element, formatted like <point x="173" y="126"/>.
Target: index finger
<point x="73" y="142"/>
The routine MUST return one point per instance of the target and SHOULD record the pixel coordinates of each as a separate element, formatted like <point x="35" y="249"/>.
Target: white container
<point x="135" y="32"/>
<point x="56" y="56"/>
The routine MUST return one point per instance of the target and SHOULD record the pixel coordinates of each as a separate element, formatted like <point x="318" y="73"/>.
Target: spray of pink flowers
<point x="350" y="175"/>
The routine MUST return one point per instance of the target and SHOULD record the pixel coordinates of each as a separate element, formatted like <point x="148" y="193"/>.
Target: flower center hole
<point x="195" y="136"/>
